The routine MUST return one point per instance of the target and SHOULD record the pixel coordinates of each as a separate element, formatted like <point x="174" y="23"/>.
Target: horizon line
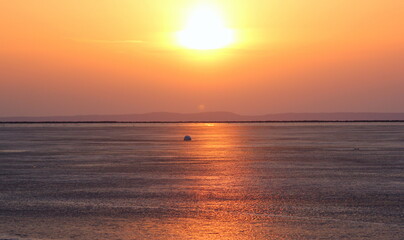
<point x="189" y="113"/>
<point x="160" y="122"/>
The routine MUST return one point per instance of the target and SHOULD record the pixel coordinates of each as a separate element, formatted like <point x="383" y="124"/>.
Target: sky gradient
<point x="71" y="57"/>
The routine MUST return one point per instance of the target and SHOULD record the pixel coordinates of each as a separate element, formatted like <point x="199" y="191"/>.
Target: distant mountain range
<point x="213" y="116"/>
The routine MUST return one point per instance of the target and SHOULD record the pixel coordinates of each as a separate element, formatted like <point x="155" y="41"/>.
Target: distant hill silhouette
<point x="213" y="116"/>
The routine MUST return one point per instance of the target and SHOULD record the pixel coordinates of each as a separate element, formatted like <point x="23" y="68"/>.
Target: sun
<point x="205" y="30"/>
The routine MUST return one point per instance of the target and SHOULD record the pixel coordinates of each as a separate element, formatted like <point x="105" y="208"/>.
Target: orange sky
<point x="105" y="57"/>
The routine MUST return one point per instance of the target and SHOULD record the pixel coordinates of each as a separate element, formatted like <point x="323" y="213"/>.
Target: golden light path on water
<point x="223" y="190"/>
<point x="220" y="191"/>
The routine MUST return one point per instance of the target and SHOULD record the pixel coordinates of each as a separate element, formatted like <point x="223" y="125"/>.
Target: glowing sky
<point x="105" y="57"/>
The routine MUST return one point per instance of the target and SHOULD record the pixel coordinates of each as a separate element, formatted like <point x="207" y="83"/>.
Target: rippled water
<point x="233" y="181"/>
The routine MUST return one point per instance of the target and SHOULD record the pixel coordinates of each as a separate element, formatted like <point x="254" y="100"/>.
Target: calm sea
<point x="233" y="181"/>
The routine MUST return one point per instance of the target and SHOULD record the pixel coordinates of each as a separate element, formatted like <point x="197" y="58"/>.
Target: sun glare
<point x="205" y="30"/>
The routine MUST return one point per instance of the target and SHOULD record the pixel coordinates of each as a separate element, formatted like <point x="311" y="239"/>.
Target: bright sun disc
<point x="205" y="30"/>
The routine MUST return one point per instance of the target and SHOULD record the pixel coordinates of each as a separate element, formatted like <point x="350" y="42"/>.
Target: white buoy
<point x="187" y="138"/>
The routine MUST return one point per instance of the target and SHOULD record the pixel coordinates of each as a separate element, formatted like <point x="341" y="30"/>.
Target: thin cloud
<point x="108" y="41"/>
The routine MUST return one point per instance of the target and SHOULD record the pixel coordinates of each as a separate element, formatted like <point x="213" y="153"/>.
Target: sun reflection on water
<point x="219" y="193"/>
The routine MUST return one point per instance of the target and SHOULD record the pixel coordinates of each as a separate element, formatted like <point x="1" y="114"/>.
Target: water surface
<point x="233" y="181"/>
